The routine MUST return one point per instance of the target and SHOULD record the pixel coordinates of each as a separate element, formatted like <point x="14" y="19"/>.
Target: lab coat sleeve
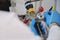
<point x="11" y="28"/>
<point x="54" y="33"/>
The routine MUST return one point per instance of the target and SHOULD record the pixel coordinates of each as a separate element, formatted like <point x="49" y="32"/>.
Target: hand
<point x="31" y="25"/>
<point x="54" y="24"/>
<point x="37" y="27"/>
<point x="55" y="18"/>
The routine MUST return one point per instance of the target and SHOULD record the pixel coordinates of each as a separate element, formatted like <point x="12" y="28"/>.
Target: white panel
<point x="20" y="7"/>
<point x="58" y="6"/>
<point x="47" y="4"/>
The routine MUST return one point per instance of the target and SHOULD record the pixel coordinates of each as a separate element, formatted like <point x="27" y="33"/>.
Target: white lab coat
<point x="11" y="28"/>
<point x="54" y="33"/>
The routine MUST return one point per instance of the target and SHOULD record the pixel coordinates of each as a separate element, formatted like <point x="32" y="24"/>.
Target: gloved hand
<point x="54" y="19"/>
<point x="33" y="26"/>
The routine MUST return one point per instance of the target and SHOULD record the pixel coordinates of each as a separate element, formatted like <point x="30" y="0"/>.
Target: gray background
<point x="20" y="7"/>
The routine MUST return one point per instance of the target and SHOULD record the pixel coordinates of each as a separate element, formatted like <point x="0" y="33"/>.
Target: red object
<point x="41" y="9"/>
<point x="24" y="20"/>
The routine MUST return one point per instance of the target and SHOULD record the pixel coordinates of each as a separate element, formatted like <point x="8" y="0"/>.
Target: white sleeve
<point x="54" y="33"/>
<point x="11" y="28"/>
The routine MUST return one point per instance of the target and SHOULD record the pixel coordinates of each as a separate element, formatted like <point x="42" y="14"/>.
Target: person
<point x="11" y="28"/>
<point x="54" y="32"/>
<point x="4" y="5"/>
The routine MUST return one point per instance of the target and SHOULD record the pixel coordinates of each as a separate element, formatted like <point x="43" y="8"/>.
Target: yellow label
<point x="53" y="7"/>
<point x="31" y="10"/>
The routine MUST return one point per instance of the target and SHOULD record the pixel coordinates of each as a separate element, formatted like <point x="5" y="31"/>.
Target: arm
<point x="54" y="33"/>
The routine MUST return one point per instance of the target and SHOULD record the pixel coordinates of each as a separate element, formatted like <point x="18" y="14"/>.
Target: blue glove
<point x="31" y="25"/>
<point x="55" y="17"/>
<point x="34" y="27"/>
